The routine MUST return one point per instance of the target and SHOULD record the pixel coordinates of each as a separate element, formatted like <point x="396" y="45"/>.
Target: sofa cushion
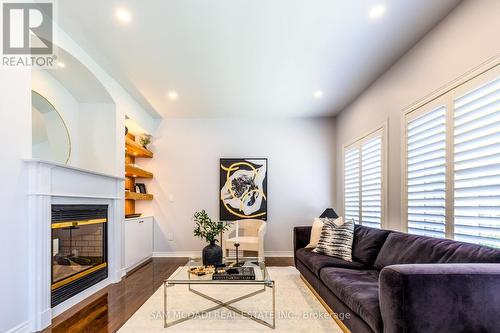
<point x="315" y="262"/>
<point x="336" y="239"/>
<point x="358" y="289"/>
<point x="367" y="244"/>
<point x="315" y="232"/>
<point x="401" y="248"/>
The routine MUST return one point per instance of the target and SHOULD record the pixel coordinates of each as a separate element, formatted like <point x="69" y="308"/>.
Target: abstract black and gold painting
<point x="243" y="189"/>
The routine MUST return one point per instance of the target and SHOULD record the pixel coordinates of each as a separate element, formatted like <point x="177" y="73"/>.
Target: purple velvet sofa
<point x="399" y="282"/>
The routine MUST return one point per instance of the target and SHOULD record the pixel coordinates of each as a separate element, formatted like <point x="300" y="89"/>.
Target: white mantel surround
<point x="53" y="183"/>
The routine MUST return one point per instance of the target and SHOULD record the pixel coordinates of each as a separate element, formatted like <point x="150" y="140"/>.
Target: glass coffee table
<point x="183" y="277"/>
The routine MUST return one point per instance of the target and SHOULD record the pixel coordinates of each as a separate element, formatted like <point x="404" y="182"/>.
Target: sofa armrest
<point x="440" y="297"/>
<point x="301" y="237"/>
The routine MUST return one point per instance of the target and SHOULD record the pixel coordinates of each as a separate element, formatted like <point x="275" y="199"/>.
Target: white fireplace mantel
<point x="54" y="183"/>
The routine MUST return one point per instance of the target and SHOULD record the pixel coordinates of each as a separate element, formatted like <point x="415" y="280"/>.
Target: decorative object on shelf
<point x="243" y="189"/>
<point x="209" y="230"/>
<point x="145" y="140"/>
<point x="135" y="150"/>
<point x="140" y="188"/>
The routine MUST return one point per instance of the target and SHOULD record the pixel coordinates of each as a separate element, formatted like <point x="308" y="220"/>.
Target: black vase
<point x="212" y="254"/>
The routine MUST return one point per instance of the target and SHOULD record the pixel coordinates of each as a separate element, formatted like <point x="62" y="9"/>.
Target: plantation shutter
<point x="371" y="183"/>
<point x="351" y="185"/>
<point x="426" y="173"/>
<point x="477" y="165"/>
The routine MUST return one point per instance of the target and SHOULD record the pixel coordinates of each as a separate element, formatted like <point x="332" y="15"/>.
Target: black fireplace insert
<point x="79" y="249"/>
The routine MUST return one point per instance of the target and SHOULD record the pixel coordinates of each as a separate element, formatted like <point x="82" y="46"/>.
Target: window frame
<point x="380" y="130"/>
<point x="443" y="97"/>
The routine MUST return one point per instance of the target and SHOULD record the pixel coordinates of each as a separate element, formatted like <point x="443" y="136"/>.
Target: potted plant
<point x="145" y="140"/>
<point x="209" y="230"/>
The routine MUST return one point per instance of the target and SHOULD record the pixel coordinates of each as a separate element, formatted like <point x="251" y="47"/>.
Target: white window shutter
<point x="351" y="185"/>
<point x="371" y="183"/>
<point x="426" y="173"/>
<point x="477" y="165"/>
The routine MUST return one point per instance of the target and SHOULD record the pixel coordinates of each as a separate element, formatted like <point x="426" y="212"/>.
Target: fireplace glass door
<point x="78" y="244"/>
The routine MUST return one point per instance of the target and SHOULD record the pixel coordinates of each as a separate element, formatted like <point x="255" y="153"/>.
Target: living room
<point x="298" y="166"/>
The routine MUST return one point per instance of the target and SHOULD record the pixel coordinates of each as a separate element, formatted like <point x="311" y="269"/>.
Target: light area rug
<point x="297" y="309"/>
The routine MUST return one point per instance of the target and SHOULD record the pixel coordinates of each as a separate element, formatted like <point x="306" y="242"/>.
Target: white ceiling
<point x="248" y="57"/>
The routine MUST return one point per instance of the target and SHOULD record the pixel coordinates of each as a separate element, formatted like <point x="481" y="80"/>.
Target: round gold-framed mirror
<point x="50" y="136"/>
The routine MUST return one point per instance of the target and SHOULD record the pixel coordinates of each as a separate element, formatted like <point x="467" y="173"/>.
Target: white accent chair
<point x="250" y="235"/>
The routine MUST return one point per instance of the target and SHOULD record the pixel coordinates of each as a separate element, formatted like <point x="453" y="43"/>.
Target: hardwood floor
<point x="279" y="261"/>
<point x="110" y="308"/>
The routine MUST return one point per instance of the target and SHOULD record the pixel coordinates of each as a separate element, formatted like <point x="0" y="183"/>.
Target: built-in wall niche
<point x="88" y="115"/>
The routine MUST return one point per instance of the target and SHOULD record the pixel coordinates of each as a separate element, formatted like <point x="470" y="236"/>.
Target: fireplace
<point x="79" y="249"/>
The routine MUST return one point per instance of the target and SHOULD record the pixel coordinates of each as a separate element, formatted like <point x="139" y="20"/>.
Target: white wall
<point x="15" y="126"/>
<point x="300" y="154"/>
<point x="467" y="37"/>
<point x="97" y="124"/>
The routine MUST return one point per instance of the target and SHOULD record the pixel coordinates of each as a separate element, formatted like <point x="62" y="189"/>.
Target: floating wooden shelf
<point x="134" y="149"/>
<point x="138" y="196"/>
<point x="135" y="172"/>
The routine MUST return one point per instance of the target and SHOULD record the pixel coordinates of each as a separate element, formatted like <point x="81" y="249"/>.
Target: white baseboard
<point x="191" y="254"/>
<point x="278" y="254"/>
<point x="177" y="254"/>
<point x="132" y="267"/>
<point x="21" y="328"/>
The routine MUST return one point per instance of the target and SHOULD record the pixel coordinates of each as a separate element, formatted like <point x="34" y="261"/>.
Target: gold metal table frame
<point x="220" y="304"/>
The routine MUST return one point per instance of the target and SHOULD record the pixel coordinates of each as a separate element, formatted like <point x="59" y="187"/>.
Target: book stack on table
<point x="234" y="273"/>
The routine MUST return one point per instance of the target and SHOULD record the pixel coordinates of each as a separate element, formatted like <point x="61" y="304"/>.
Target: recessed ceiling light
<point x="376" y="12"/>
<point x="61" y="64"/>
<point x="123" y="15"/>
<point x="318" y="94"/>
<point x="173" y="95"/>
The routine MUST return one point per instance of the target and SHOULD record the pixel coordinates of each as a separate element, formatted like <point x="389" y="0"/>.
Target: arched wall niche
<point x="88" y="110"/>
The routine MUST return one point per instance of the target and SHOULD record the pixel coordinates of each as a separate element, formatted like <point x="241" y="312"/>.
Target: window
<point x="452" y="161"/>
<point x="476" y="136"/>
<point x="351" y="185"/>
<point x="363" y="180"/>
<point x="426" y="165"/>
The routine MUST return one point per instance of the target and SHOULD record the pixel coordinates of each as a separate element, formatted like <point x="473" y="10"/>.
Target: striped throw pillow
<point x="336" y="239"/>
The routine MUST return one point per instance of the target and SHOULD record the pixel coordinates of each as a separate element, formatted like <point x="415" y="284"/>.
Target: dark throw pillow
<point x="336" y="239"/>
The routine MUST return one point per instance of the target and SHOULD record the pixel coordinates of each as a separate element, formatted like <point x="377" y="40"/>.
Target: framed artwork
<point x="243" y="189"/>
<point x="140" y="188"/>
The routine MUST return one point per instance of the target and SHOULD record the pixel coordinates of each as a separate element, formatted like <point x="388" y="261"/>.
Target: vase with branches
<point x="208" y="230"/>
